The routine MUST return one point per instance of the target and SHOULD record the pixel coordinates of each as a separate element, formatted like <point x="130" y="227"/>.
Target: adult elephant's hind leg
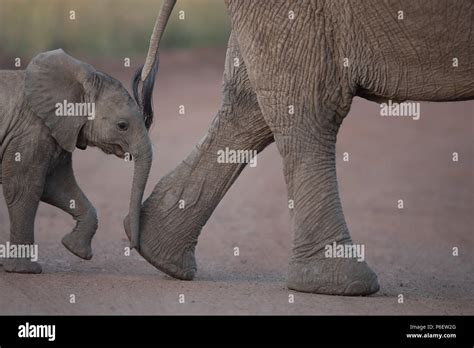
<point x="307" y="142"/>
<point x="181" y="203"/>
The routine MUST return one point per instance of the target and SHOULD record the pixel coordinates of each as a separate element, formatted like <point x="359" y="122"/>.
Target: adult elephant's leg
<point x="62" y="191"/>
<point x="181" y="203"/>
<point x="298" y="66"/>
<point x="307" y="143"/>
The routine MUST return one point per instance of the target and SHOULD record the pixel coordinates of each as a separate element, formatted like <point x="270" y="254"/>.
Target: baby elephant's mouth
<point x="113" y="149"/>
<point x="118" y="151"/>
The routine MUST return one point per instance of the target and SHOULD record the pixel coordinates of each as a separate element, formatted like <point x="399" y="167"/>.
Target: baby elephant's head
<point x="84" y="107"/>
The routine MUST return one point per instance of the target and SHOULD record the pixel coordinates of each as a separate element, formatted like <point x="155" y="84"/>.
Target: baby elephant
<point x="57" y="104"/>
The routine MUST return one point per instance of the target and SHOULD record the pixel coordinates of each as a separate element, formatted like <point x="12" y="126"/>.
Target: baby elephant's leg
<point x="23" y="176"/>
<point x="62" y="191"/>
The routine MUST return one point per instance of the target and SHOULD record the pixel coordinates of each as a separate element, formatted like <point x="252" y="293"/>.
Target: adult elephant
<point x="311" y="57"/>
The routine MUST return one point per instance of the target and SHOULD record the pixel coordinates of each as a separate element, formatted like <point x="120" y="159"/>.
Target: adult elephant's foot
<point x="21" y="265"/>
<point x="333" y="276"/>
<point x="167" y="254"/>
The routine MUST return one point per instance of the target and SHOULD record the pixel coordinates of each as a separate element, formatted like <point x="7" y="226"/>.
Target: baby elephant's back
<point x="11" y="89"/>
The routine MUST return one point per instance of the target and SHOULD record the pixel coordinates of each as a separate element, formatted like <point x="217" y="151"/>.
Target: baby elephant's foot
<point x="78" y="244"/>
<point x="333" y="276"/>
<point x="21" y="265"/>
<point x="79" y="240"/>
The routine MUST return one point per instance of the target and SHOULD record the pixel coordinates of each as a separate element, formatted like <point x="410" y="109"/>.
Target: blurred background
<point x="106" y="28"/>
<point x="390" y="159"/>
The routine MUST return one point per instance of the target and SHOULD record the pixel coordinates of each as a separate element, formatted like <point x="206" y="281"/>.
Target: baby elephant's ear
<point x="54" y="78"/>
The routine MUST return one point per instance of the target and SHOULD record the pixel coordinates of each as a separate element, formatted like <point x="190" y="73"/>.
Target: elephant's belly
<point x="409" y="80"/>
<point x="423" y="52"/>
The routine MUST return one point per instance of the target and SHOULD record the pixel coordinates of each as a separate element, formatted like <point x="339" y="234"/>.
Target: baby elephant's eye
<point x="122" y="125"/>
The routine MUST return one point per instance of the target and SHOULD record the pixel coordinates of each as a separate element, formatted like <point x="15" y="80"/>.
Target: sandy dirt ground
<point x="389" y="159"/>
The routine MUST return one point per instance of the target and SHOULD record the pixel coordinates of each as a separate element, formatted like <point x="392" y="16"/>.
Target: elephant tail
<point x="146" y="74"/>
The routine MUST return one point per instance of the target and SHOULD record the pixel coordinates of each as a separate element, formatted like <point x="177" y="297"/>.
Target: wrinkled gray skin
<point x="45" y="142"/>
<point x="300" y="62"/>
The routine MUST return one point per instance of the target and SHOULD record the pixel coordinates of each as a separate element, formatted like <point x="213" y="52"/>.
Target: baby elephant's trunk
<point x="142" y="154"/>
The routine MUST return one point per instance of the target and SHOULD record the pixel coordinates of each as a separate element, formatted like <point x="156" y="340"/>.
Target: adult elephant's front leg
<point x="181" y="203"/>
